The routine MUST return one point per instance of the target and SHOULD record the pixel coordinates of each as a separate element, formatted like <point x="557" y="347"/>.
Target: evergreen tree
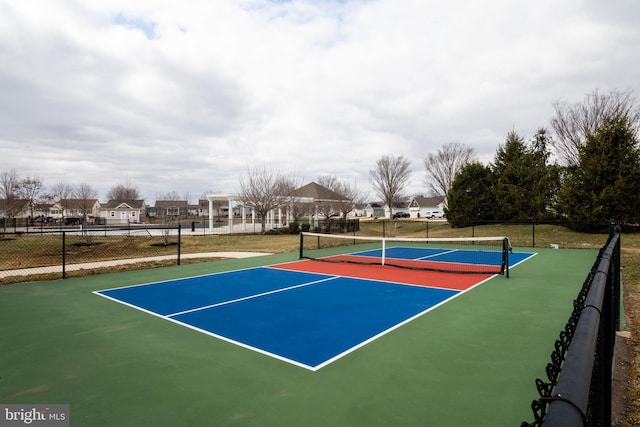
<point x="510" y="169"/>
<point x="525" y="183"/>
<point x="471" y="199"/>
<point x="606" y="183"/>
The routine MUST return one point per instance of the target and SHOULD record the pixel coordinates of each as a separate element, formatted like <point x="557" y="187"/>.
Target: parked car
<point x="436" y="214"/>
<point x="401" y="215"/>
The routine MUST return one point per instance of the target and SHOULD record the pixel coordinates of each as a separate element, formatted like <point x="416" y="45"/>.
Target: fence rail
<point x="577" y="391"/>
<point x="57" y="252"/>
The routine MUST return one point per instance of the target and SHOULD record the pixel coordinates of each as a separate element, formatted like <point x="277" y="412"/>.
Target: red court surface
<point x="388" y="273"/>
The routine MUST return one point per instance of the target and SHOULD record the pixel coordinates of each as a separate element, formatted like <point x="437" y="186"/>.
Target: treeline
<point x="598" y="180"/>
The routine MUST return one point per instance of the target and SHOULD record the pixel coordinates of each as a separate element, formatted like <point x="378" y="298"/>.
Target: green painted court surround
<point x="472" y="361"/>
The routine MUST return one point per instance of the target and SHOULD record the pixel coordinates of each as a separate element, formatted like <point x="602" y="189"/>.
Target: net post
<point x="301" y="244"/>
<point x="505" y="256"/>
<point x="384" y="250"/>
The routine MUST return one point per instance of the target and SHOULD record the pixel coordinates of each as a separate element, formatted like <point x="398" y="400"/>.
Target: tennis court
<point x="275" y="341"/>
<point x="310" y="313"/>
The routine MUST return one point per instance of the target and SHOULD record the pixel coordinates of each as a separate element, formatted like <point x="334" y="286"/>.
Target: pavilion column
<point x="244" y="218"/>
<point x="315" y="220"/>
<point x="211" y="215"/>
<point x="230" y="216"/>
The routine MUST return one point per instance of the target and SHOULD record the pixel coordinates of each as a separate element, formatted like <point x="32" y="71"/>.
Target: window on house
<point x="113" y="213"/>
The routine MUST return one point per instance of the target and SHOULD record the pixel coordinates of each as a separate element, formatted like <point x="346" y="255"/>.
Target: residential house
<point x="14" y="208"/>
<point x="172" y="208"/>
<point x="203" y="207"/>
<point x="375" y="209"/>
<point x="117" y="212"/>
<point x="398" y="208"/>
<point x="22" y="209"/>
<point x="82" y="209"/>
<point x="427" y="207"/>
<point x="360" y="209"/>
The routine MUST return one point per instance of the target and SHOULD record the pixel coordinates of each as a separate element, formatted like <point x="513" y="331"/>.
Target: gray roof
<point x="429" y="201"/>
<point x="171" y="203"/>
<point x="133" y="204"/>
<point x="318" y="193"/>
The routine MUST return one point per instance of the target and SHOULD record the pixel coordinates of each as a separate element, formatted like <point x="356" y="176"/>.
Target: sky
<point x="189" y="97"/>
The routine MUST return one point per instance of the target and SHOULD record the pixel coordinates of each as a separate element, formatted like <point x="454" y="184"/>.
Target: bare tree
<point x="351" y="194"/>
<point x="86" y="196"/>
<point x="327" y="208"/>
<point x="443" y="166"/>
<point x="390" y="178"/>
<point x="61" y="192"/>
<point x="10" y="193"/>
<point x="31" y="191"/>
<point x="264" y="190"/>
<point x="572" y="123"/>
<point x="126" y="191"/>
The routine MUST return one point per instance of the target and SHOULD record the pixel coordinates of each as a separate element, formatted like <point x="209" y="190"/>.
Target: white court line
<point x="438" y="254"/>
<point x="251" y="297"/>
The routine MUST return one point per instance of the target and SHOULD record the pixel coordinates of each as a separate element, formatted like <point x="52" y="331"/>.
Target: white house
<point x="123" y="212"/>
<point x="427" y="207"/>
<point x="86" y="209"/>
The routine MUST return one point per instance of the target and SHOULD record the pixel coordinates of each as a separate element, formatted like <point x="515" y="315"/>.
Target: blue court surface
<point x="307" y="319"/>
<point x="459" y="256"/>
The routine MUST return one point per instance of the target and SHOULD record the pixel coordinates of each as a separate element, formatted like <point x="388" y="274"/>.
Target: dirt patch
<point x="620" y="383"/>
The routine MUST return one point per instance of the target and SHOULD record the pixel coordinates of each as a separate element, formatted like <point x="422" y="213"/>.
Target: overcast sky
<point x="186" y="96"/>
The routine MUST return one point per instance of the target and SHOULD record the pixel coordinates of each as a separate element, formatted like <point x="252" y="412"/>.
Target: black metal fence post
<point x="64" y="252"/>
<point x="533" y="234"/>
<point x="179" y="235"/>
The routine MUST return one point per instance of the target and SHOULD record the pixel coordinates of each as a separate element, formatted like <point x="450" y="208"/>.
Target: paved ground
<point x="71" y="267"/>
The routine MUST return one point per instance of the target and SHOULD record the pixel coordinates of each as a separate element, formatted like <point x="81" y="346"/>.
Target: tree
<point x="605" y="183"/>
<point x="61" y="192"/>
<point x="30" y="190"/>
<point x="126" y="191"/>
<point x="351" y="195"/>
<point x="264" y="190"/>
<point x="524" y="181"/>
<point x="471" y="199"/>
<point x="572" y="123"/>
<point x="443" y="166"/>
<point x="86" y="195"/>
<point x="10" y="193"/>
<point x="389" y="179"/>
<point x="546" y="177"/>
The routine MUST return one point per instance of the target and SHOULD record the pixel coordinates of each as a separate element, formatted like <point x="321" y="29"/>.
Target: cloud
<point x="184" y="97"/>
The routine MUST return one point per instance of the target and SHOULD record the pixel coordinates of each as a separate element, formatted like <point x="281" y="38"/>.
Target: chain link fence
<point x="58" y="253"/>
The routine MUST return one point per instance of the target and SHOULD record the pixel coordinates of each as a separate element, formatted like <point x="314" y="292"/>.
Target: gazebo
<point x="316" y="194"/>
<point x="313" y="194"/>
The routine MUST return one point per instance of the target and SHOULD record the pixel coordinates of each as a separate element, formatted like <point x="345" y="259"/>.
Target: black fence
<point x="577" y="391"/>
<point x="62" y="252"/>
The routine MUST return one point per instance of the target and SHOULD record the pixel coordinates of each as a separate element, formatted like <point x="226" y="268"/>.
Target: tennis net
<point x="479" y="255"/>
